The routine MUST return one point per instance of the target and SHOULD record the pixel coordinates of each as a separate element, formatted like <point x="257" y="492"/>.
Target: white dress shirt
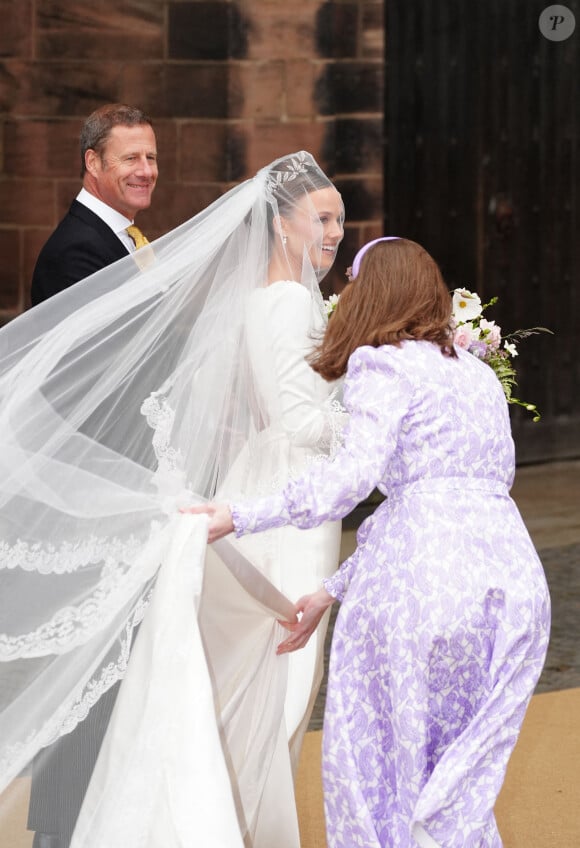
<point x="117" y="222"/>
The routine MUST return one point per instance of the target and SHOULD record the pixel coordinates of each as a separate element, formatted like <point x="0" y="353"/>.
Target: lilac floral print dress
<point x="444" y="621"/>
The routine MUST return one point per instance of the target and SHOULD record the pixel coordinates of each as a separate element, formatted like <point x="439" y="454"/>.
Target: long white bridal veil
<point x="121" y="399"/>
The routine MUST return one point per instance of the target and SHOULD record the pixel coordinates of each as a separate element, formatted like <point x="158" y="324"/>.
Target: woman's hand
<point x="221" y="522"/>
<point x="312" y="608"/>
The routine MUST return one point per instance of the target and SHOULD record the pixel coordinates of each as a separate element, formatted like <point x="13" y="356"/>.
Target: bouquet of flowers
<point x="483" y="339"/>
<point x="330" y="304"/>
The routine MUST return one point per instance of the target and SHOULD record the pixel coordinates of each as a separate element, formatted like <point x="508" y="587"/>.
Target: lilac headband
<point x="358" y="258"/>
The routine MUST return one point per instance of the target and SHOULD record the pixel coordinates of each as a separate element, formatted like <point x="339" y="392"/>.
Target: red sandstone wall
<point x="229" y="85"/>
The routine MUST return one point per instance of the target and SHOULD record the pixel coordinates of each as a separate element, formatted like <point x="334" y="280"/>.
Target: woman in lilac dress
<point x="444" y="622"/>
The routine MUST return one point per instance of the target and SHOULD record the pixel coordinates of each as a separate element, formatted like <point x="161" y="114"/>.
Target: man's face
<point x="125" y="173"/>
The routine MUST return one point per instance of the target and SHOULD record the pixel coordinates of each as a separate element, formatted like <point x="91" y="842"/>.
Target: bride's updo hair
<point x="288" y="180"/>
<point x="398" y="294"/>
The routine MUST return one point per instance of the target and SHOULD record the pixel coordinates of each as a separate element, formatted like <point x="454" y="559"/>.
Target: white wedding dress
<point x="305" y="423"/>
<point x="208" y="724"/>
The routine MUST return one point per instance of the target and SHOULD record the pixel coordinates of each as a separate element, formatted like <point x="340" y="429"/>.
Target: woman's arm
<point x="377" y="398"/>
<point x="309" y="611"/>
<point x="311" y="608"/>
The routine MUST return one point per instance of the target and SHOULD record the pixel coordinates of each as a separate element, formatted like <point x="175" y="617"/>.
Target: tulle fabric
<point x="121" y="399"/>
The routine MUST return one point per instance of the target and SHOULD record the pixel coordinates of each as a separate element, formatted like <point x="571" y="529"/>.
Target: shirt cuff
<point x="334" y="586"/>
<point x="240" y="519"/>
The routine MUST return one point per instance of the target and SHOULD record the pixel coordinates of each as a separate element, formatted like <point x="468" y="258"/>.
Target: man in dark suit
<point x="119" y="172"/>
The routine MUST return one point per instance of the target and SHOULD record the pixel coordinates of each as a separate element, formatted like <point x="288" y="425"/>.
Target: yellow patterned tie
<point x="137" y="236"/>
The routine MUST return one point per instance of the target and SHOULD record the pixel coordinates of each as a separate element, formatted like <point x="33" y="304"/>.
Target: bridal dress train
<point x="135" y="392"/>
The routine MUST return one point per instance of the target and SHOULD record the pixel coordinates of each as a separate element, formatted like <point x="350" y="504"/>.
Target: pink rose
<point x="493" y="336"/>
<point x="463" y="336"/>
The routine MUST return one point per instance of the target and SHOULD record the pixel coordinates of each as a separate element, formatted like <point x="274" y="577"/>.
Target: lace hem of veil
<point x="68" y="557"/>
<point x="169" y="478"/>
<point x="71" y="714"/>
<point x="73" y="625"/>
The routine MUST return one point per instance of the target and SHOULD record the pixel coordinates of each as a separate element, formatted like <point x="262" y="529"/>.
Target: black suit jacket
<point x="81" y="244"/>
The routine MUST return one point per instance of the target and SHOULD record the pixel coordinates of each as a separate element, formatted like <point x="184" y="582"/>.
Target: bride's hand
<point x="312" y="608"/>
<point x="221" y="522"/>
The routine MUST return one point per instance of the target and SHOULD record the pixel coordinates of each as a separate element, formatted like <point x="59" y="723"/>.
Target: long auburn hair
<point x="398" y="294"/>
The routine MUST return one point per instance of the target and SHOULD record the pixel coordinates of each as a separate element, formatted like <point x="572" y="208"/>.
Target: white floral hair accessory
<point x="296" y="164"/>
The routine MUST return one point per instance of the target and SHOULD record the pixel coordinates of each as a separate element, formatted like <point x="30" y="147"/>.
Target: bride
<point x="136" y="392"/>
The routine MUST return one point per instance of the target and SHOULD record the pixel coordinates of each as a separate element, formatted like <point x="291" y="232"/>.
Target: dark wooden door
<point x="482" y="167"/>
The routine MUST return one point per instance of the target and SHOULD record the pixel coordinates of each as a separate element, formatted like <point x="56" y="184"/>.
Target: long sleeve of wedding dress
<point x="282" y="328"/>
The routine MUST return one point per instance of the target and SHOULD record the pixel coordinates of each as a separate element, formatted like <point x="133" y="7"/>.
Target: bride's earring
<point x="284" y="239"/>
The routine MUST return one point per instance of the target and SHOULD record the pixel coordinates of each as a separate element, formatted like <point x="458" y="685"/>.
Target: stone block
<point x="281" y="31"/>
<point x="16" y="30"/>
<point x="27" y="202"/>
<point x="372" y="40"/>
<point x="337" y="30"/>
<point x="301" y="76"/>
<point x="43" y="148"/>
<point x="257" y="90"/>
<point x="68" y="89"/>
<point x="266" y="142"/>
<point x="206" y="30"/>
<point x="184" y="90"/>
<point x="175" y="203"/>
<point x="355" y="146"/>
<point x="203" y="152"/>
<point x="104" y="30"/>
<point x="12" y="72"/>
<point x="10" y="251"/>
<point x="362" y="197"/>
<point x="350" y="88"/>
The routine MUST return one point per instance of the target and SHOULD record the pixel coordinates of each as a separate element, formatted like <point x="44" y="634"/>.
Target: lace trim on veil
<point x="72" y="713"/>
<point x="69" y="626"/>
<point x="160" y="417"/>
<point x="169" y="478"/>
<point x="72" y="625"/>
<point x="68" y="557"/>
